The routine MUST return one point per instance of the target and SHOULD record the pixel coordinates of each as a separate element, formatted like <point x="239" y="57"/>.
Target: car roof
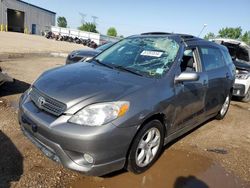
<point x="153" y="34"/>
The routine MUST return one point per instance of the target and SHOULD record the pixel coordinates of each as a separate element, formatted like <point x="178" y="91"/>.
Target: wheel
<point x="222" y="113"/>
<point x="146" y="147"/>
<point x="247" y="97"/>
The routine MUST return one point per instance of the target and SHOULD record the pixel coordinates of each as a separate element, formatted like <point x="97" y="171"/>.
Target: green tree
<point x="230" y="32"/>
<point x="112" y="32"/>
<point x="210" y="35"/>
<point x="246" y="37"/>
<point x="62" y="22"/>
<point x="88" y="26"/>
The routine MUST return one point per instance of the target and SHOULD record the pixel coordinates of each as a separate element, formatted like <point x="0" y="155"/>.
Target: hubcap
<point x="148" y="147"/>
<point x="225" y="106"/>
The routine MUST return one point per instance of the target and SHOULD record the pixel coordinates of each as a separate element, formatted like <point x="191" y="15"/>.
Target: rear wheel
<point x="146" y="147"/>
<point x="247" y="97"/>
<point x="222" y="113"/>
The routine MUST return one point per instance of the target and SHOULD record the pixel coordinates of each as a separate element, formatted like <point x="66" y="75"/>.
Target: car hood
<point x="77" y="82"/>
<point x="242" y="65"/>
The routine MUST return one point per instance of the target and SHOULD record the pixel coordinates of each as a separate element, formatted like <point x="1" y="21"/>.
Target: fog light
<point x="88" y="158"/>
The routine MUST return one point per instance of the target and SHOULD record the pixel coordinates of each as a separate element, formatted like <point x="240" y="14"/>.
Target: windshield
<point x="150" y="56"/>
<point x="104" y="46"/>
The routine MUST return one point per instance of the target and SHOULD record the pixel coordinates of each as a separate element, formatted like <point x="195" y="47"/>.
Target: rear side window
<point x="227" y="57"/>
<point x="212" y="58"/>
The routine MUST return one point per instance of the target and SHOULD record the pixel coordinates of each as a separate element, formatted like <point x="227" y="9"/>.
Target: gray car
<point x="120" y="109"/>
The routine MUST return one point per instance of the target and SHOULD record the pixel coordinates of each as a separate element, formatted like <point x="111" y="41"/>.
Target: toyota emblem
<point x="41" y="101"/>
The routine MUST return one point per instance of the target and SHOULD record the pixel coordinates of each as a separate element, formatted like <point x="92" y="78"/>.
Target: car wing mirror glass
<point x="187" y="76"/>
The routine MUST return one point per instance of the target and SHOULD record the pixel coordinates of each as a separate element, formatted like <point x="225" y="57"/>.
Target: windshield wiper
<point x="127" y="70"/>
<point x="103" y="64"/>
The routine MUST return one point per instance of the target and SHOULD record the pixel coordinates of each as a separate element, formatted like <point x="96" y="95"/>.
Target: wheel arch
<point x="160" y="117"/>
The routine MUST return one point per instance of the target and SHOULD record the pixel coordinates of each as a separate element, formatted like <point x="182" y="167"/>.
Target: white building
<point x="20" y="16"/>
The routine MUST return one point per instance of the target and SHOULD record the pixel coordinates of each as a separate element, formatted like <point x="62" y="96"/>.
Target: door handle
<point x="227" y="75"/>
<point x="204" y="82"/>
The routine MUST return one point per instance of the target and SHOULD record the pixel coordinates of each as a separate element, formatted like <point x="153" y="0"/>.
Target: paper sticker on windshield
<point x="159" y="70"/>
<point x="152" y="53"/>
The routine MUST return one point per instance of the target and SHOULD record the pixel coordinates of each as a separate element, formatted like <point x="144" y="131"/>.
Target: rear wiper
<point x="103" y="64"/>
<point x="127" y="70"/>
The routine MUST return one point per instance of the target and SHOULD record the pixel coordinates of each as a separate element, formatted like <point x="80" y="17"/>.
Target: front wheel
<point x="146" y="147"/>
<point x="222" y="113"/>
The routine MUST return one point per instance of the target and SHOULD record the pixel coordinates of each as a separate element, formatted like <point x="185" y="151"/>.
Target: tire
<point x="247" y="97"/>
<point x="223" y="111"/>
<point x="139" y="160"/>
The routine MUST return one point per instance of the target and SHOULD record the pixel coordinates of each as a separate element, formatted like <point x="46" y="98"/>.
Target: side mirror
<point x="187" y="76"/>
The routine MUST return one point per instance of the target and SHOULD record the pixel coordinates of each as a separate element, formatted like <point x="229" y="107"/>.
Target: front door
<point x="190" y="95"/>
<point x="33" y="29"/>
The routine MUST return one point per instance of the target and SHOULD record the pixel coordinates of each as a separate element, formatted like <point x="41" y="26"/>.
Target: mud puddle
<point x="175" y="168"/>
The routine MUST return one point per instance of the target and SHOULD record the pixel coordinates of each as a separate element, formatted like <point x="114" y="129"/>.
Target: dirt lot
<point x="23" y="43"/>
<point x="214" y="155"/>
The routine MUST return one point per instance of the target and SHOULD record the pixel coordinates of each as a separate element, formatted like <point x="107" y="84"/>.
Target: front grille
<point x="47" y="103"/>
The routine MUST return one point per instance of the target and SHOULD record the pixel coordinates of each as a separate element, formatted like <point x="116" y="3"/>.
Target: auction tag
<point x="159" y="70"/>
<point x="152" y="53"/>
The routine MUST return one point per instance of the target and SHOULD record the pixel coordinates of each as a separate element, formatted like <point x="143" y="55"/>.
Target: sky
<point x="137" y="16"/>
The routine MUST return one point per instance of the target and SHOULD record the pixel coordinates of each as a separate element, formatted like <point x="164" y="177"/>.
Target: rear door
<point x="218" y="75"/>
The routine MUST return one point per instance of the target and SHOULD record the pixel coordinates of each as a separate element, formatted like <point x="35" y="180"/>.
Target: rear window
<point x="212" y="58"/>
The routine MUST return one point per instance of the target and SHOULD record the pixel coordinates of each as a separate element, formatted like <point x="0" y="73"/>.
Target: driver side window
<point x="188" y="62"/>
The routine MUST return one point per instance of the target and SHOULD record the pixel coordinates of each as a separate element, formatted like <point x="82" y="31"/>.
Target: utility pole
<point x="94" y="19"/>
<point x="83" y="18"/>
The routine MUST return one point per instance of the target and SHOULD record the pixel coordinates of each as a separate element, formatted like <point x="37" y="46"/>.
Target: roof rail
<point x="156" y="33"/>
<point x="184" y="37"/>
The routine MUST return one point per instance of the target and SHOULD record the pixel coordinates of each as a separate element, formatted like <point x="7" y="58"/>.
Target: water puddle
<point x="175" y="168"/>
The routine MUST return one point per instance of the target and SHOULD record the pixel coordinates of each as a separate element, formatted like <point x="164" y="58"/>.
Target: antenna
<point x="204" y="26"/>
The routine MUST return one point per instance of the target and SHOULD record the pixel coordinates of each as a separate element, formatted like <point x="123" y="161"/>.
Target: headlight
<point x="243" y="76"/>
<point x="100" y="114"/>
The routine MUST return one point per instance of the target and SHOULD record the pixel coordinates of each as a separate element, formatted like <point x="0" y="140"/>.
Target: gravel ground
<point x="214" y="155"/>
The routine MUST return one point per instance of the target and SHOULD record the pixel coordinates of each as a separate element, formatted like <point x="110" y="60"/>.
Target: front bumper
<point x="67" y="143"/>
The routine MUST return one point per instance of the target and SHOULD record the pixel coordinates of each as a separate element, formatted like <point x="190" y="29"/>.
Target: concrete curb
<point x="55" y="54"/>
